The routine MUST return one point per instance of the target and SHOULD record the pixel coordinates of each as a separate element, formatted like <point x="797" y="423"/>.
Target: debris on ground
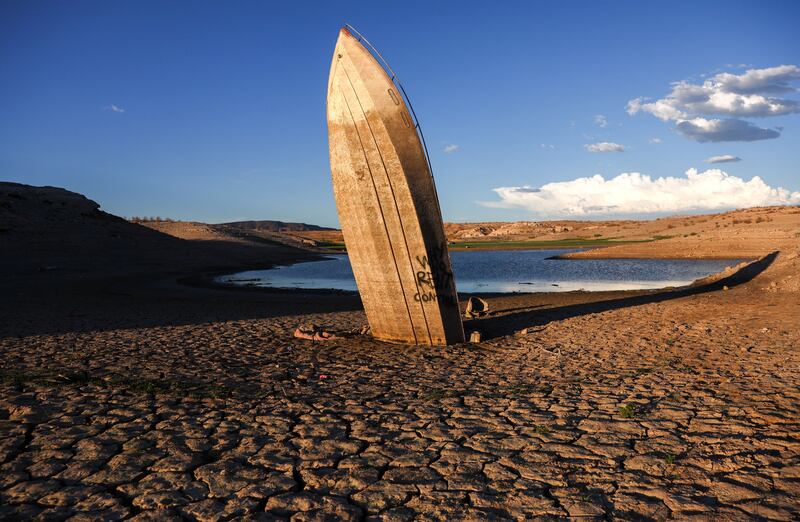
<point x="314" y="333"/>
<point x="476" y="307"/>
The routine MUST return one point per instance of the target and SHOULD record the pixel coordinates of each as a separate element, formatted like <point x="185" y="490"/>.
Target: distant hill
<point x="50" y="229"/>
<point x="274" y="226"/>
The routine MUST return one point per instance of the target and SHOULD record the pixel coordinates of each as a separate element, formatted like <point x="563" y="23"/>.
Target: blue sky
<point x="215" y="111"/>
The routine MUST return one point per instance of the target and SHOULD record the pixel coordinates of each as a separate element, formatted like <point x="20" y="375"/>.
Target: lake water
<point x="504" y="271"/>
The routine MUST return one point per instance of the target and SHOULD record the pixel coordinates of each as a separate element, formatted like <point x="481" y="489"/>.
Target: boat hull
<point x="387" y="204"/>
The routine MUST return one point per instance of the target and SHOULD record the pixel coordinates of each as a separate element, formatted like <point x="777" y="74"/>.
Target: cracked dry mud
<point x="683" y="409"/>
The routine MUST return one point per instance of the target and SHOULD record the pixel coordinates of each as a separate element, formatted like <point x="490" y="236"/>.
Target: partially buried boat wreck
<point x="387" y="202"/>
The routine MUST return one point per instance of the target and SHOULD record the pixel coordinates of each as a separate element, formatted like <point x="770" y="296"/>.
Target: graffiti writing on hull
<point x="433" y="276"/>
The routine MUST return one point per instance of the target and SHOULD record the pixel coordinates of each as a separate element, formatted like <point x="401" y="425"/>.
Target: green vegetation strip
<point x="332" y="246"/>
<point x="546" y="244"/>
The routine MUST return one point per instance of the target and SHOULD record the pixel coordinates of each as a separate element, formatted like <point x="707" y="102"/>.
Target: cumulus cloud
<point x="725" y="158"/>
<point x="115" y="108"/>
<point x="635" y="193"/>
<point x="605" y="146"/>
<point x="654" y="141"/>
<point x="548" y="146"/>
<point x="730" y="97"/>
<point x="449" y="149"/>
<point x="600" y="120"/>
<point x="769" y="80"/>
<point x="661" y="109"/>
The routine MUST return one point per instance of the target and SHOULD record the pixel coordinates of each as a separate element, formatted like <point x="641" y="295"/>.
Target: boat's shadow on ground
<point x="534" y="316"/>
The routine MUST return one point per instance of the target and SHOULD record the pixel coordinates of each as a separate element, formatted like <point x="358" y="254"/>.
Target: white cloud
<point x="600" y="120"/>
<point x="115" y="108"/>
<point x="604" y="146"/>
<point x="725" y="158"/>
<point x="771" y="79"/>
<point x="661" y="109"/>
<point x="654" y="141"/>
<point x="547" y="146"/>
<point x="729" y="96"/>
<point x="635" y="193"/>
<point x="449" y="149"/>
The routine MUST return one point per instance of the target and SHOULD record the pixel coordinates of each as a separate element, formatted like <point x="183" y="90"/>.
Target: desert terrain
<point x="743" y="233"/>
<point x="132" y="388"/>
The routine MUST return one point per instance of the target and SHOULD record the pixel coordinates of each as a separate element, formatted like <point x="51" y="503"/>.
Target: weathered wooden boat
<point x="387" y="202"/>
